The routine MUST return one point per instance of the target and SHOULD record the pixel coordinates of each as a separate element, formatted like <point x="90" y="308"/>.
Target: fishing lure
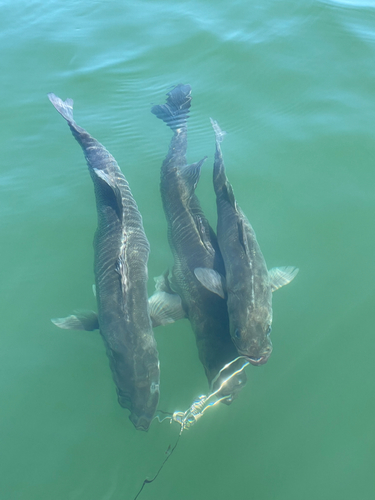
<point x="188" y="418"/>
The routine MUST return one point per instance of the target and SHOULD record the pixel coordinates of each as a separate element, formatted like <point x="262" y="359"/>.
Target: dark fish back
<point x="121" y="252"/>
<point x="192" y="241"/>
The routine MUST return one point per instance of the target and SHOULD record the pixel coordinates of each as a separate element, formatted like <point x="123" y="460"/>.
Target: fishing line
<point x="188" y="418"/>
<point x="169" y="453"/>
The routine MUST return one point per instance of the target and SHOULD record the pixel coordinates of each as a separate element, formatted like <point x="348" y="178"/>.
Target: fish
<point x="248" y="284"/>
<point x="194" y="245"/>
<point x="121" y="252"/>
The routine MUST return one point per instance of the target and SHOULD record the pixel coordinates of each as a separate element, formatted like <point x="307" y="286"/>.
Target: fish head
<point x="144" y="396"/>
<point x="250" y="328"/>
<point x="145" y="401"/>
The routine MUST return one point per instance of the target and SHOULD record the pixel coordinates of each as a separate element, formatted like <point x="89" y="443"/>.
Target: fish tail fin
<point x="221" y="183"/>
<point x="175" y="112"/>
<point x="65" y="108"/>
<point x="219" y="134"/>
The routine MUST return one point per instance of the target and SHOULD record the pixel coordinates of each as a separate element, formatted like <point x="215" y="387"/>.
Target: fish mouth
<point x="263" y="356"/>
<point x="141" y="423"/>
<point x="258" y="361"/>
<point x="261" y="360"/>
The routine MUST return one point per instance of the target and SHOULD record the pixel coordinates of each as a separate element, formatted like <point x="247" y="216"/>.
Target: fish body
<point x="121" y="253"/>
<point x="193" y="244"/>
<point x="248" y="283"/>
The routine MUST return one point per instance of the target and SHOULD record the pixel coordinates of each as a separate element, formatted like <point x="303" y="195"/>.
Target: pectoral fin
<point x="211" y="280"/>
<point x="82" y="320"/>
<point x="165" y="308"/>
<point x="280" y="276"/>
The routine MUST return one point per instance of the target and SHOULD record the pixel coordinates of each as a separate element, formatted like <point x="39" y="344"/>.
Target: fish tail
<point x="221" y="183"/>
<point x="65" y="108"/>
<point x="219" y="134"/>
<point x="175" y="112"/>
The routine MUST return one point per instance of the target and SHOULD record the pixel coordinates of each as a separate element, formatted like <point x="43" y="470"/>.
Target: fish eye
<point x="269" y="329"/>
<point x="237" y="333"/>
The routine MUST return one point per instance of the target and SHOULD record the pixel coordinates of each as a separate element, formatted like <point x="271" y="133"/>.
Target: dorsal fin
<point x="191" y="173"/>
<point x="242" y="236"/>
<point x="114" y="188"/>
<point x="228" y="194"/>
<point x="121" y="269"/>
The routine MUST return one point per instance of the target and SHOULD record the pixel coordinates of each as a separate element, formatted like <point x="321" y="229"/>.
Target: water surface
<point x="292" y="83"/>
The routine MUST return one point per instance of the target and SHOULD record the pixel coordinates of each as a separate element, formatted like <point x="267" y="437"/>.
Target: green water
<point x="293" y="84"/>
